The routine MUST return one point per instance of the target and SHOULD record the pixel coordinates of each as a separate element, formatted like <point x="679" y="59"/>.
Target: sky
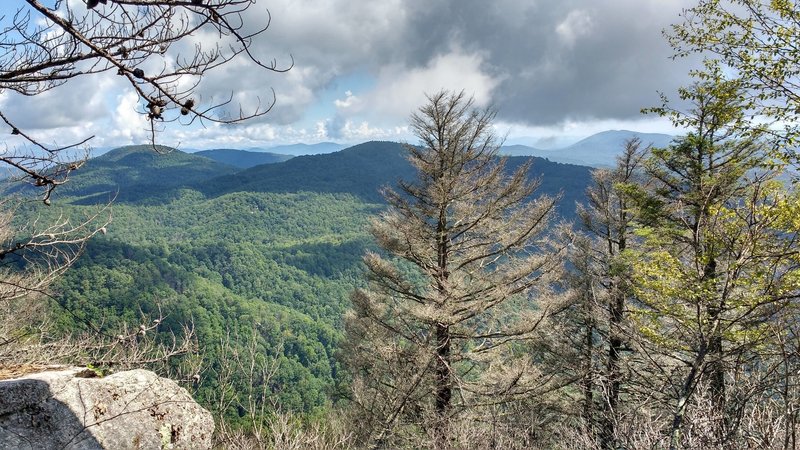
<point x="555" y="70"/>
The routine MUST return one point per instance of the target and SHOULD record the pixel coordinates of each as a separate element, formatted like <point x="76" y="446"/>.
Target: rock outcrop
<point x="72" y="409"/>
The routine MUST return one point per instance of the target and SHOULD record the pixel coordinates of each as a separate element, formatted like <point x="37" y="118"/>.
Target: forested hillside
<point x="363" y="170"/>
<point x="276" y="248"/>
<point x="139" y="173"/>
<point x="242" y="159"/>
<point x="280" y="263"/>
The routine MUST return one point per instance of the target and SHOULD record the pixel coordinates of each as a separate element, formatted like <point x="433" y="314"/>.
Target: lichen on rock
<point x="135" y="409"/>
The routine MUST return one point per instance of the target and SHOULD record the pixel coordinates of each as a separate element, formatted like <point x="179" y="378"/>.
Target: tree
<point x="45" y="46"/>
<point x="755" y="42"/>
<point x="717" y="263"/>
<point x="601" y="289"/>
<point x="33" y="255"/>
<point x="441" y="329"/>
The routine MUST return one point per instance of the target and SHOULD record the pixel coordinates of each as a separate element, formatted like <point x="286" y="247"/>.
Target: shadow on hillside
<point x="326" y="260"/>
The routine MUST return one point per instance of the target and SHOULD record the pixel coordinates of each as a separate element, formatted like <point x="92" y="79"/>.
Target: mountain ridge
<point x="597" y="150"/>
<point x="365" y="169"/>
<point x="139" y="175"/>
<point x="141" y="170"/>
<point x="242" y="159"/>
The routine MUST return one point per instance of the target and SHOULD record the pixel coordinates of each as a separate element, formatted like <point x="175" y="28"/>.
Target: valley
<point x="274" y="248"/>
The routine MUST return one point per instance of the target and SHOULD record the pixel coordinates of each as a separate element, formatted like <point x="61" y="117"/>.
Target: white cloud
<point x="82" y="101"/>
<point x="321" y="133"/>
<point x="401" y="90"/>
<point x="577" y="24"/>
<point x="130" y="127"/>
<point x="349" y="101"/>
<point x="362" y="131"/>
<point x="559" y="65"/>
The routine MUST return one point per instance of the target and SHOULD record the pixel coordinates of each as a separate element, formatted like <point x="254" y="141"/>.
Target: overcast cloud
<point x="361" y="67"/>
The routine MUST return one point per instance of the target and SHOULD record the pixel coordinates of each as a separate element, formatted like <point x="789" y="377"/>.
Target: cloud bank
<point x="543" y="65"/>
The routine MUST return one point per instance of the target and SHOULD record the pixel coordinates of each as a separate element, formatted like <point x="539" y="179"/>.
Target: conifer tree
<point x="601" y="291"/>
<point x="441" y="330"/>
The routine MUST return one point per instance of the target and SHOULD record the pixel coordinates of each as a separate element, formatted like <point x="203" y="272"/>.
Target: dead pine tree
<point x="608" y="220"/>
<point x="440" y="333"/>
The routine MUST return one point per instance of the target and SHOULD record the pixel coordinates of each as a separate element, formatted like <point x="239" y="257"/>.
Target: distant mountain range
<point x="136" y="174"/>
<point x="596" y="150"/>
<point x="254" y="156"/>
<point x="362" y="170"/>
<point x="242" y="159"/>
<point x="600" y="149"/>
<point x="300" y="149"/>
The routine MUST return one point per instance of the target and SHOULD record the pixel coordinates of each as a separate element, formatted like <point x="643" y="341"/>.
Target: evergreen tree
<point x="601" y="292"/>
<point x="441" y="330"/>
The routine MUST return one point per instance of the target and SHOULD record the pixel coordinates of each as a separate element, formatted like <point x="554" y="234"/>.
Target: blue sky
<point x="556" y="72"/>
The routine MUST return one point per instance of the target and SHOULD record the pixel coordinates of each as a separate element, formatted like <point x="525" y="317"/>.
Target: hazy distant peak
<point x="599" y="149"/>
<point x="304" y="149"/>
<point x="618" y="137"/>
<point x="243" y="159"/>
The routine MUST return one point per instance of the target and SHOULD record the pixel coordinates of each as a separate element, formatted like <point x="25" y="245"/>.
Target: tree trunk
<point x="616" y="311"/>
<point x="444" y="384"/>
<point x="588" y="385"/>
<point x="716" y="370"/>
<point x="444" y="376"/>
<point x="683" y="399"/>
<point x="608" y="439"/>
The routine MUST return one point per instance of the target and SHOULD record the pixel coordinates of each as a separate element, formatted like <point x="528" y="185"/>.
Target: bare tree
<point x="157" y="48"/>
<point x="33" y="254"/>
<point x="440" y="330"/>
<point x="145" y="43"/>
<point x="609" y="220"/>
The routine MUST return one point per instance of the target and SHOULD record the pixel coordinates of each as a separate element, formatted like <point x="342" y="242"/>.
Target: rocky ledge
<point x="75" y="410"/>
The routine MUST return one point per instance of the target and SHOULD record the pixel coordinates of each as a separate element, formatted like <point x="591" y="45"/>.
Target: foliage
<point x="282" y="263"/>
<point x="715" y="265"/>
<point x="439" y="334"/>
<point x="755" y="43"/>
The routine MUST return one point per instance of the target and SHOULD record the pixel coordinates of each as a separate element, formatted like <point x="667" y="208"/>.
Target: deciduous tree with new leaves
<point x="717" y="261"/>
<point x="754" y="42"/>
